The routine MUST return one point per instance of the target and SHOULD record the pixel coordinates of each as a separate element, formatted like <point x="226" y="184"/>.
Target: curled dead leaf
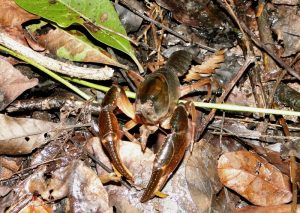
<point x="22" y="135"/>
<point x="207" y="68"/>
<point x="73" y="45"/>
<point x="12" y="83"/>
<point x="202" y="177"/>
<point x="11" y="19"/>
<point x="8" y="166"/>
<point x="273" y="209"/>
<point x="82" y="186"/>
<point x="254" y="178"/>
<point x="35" y="205"/>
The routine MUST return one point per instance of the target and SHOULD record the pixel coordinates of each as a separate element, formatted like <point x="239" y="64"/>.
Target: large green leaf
<point x="97" y="16"/>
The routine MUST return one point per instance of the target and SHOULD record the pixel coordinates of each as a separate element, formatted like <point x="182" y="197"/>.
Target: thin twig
<point x="293" y="166"/>
<point x="230" y="85"/>
<point x="249" y="120"/>
<point x="269" y="52"/>
<point x="158" y="24"/>
<point x="227" y="132"/>
<point x="104" y="73"/>
<point x="30" y="168"/>
<point x="107" y="169"/>
<point x="227" y="107"/>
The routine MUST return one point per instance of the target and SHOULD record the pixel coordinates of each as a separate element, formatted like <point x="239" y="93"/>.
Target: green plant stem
<point x="65" y="81"/>
<point x="129" y="94"/>
<point x="225" y="107"/>
<point x="45" y="70"/>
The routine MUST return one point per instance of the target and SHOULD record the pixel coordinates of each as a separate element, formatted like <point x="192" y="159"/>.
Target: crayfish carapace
<point x="156" y="105"/>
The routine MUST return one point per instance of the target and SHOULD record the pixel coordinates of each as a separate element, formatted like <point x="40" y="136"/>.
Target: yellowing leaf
<point x="72" y="45"/>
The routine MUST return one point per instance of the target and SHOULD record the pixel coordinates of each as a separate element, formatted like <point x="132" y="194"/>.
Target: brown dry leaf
<point x="81" y="185"/>
<point x="286" y="2"/>
<point x="254" y="178"/>
<point x="12" y="83"/>
<point x="273" y="209"/>
<point x="23" y="135"/>
<point x="8" y="166"/>
<point x="74" y="46"/>
<point x="36" y="205"/>
<point x="12" y="15"/>
<point x="207" y="67"/>
<point x="11" y="18"/>
<point x="287" y="29"/>
<point x="202" y="177"/>
<point x="271" y="152"/>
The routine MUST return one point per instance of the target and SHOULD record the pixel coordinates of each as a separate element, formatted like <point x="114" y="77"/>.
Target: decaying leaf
<point x="129" y="20"/>
<point x="30" y="204"/>
<point x="287" y="29"/>
<point x="202" y="177"/>
<point x="8" y="166"/>
<point x="72" y="45"/>
<point x="36" y="205"/>
<point x="207" y="68"/>
<point x="81" y="185"/>
<point x="273" y="209"/>
<point x="22" y="135"/>
<point x="12" y="83"/>
<point x="201" y="174"/>
<point x="12" y="15"/>
<point x="254" y="178"/>
<point x="11" y="18"/>
<point x="139" y="163"/>
<point x="196" y="13"/>
<point x="286" y="2"/>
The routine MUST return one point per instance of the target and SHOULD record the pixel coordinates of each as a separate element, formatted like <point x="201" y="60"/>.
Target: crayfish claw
<point x="118" y="166"/>
<point x="153" y="185"/>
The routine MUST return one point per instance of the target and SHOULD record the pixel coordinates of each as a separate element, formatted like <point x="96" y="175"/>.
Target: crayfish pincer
<point x="156" y="105"/>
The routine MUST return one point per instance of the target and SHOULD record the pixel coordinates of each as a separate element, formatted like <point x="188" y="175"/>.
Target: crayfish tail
<point x="179" y="61"/>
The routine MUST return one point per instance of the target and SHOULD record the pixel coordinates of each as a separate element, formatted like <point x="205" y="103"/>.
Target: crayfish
<point x="156" y="105"/>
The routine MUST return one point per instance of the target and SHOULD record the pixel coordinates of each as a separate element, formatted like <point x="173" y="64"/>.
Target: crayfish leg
<point x="170" y="154"/>
<point x="109" y="129"/>
<point x="161" y="194"/>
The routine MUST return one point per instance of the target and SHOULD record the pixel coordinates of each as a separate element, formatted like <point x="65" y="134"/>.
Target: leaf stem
<point x="65" y="81"/>
<point x="129" y="94"/>
<point x="225" y="107"/>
